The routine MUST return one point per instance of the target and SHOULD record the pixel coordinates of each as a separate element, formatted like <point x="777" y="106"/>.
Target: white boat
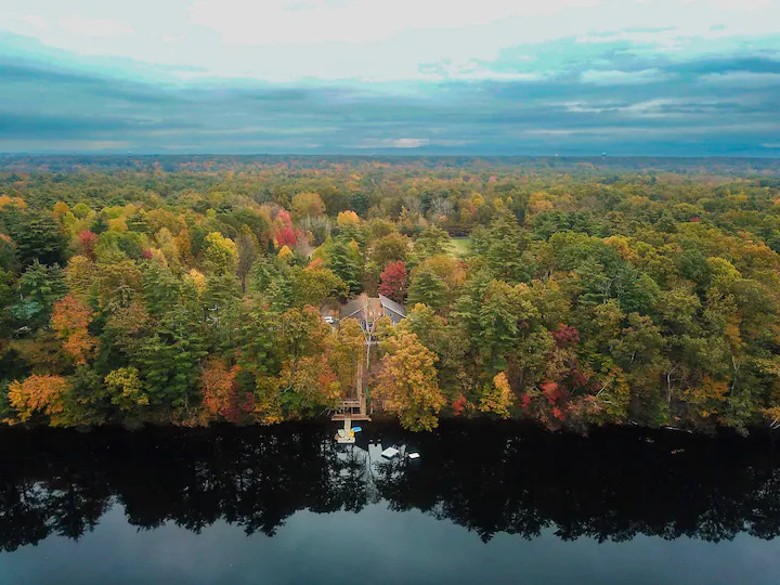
<point x="390" y="452"/>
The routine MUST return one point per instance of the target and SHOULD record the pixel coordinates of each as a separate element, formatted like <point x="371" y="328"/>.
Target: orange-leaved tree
<point x="70" y="319"/>
<point x="221" y="395"/>
<point x="39" y="394"/>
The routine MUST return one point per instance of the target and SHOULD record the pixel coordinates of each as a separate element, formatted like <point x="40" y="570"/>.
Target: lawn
<point x="460" y="246"/>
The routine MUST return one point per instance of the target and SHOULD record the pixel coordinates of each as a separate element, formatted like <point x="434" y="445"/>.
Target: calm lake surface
<point x="483" y="504"/>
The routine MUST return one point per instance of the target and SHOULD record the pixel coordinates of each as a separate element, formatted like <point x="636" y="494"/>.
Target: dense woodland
<point x="188" y="292"/>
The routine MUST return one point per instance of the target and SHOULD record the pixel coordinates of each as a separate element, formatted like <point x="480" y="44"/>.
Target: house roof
<point x="392" y="305"/>
<point x="374" y="306"/>
<point x="356" y="307"/>
<point x="351" y="308"/>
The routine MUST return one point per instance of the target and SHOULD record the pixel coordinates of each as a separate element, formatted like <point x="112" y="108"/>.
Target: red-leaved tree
<point x="285" y="236"/>
<point x="393" y="280"/>
<point x="88" y="241"/>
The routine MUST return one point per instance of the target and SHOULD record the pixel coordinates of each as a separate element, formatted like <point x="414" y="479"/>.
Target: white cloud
<point x="95" y="27"/>
<point x="586" y="108"/>
<point x="742" y="4"/>
<point x="475" y="71"/>
<point x="273" y="22"/>
<point x="388" y="40"/>
<point x="650" y="108"/>
<point x="36" y="21"/>
<point x="742" y="78"/>
<point x="657" y="108"/>
<point x="612" y="76"/>
<point x="404" y="143"/>
<point x="394" y="143"/>
<point x="556" y="132"/>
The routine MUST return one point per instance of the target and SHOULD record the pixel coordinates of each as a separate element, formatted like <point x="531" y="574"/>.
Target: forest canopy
<point x="191" y="291"/>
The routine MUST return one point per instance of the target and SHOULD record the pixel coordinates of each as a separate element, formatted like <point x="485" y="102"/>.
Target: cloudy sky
<point x="575" y="77"/>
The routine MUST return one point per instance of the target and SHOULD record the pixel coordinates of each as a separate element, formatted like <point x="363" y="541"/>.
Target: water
<point x="484" y="504"/>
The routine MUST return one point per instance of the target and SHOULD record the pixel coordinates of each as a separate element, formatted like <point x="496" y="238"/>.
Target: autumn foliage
<point x="347" y="218"/>
<point x="284" y="233"/>
<point x="87" y="242"/>
<point x="39" y="394"/>
<point x="70" y="320"/>
<point x="392" y="280"/>
<point x="567" y="294"/>
<point x="222" y="398"/>
<point x="497" y="398"/>
<point x="407" y="384"/>
<point x="285" y="236"/>
<point x="459" y="405"/>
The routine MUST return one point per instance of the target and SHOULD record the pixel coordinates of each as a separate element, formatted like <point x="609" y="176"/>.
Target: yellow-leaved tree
<point x="497" y="398"/>
<point x="346" y="218"/>
<point x="407" y="382"/>
<point x="220" y="254"/>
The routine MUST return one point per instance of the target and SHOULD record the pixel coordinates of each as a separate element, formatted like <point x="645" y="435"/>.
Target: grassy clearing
<point x="460" y="246"/>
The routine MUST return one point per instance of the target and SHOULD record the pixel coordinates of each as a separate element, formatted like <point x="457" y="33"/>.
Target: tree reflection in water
<point x="488" y="478"/>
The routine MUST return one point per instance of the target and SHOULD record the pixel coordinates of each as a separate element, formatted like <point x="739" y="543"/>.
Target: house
<point x="368" y="310"/>
<point x="391" y="309"/>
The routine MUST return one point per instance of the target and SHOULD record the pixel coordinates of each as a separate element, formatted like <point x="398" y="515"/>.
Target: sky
<point x="486" y="77"/>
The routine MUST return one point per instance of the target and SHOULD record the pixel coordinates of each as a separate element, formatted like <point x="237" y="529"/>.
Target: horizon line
<point x="8" y="154"/>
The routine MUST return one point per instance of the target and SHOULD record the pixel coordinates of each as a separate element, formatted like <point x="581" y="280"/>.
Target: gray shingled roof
<point x="392" y="305"/>
<point x="355" y="307"/>
<point x="350" y="308"/>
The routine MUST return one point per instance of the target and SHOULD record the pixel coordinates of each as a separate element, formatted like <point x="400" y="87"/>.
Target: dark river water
<point x="483" y="504"/>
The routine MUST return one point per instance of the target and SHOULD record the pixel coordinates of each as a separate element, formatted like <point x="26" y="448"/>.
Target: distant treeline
<point x="187" y="290"/>
<point x="580" y="164"/>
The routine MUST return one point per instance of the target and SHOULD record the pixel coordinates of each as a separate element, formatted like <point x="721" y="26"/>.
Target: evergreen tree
<point x="427" y="288"/>
<point x="38" y="237"/>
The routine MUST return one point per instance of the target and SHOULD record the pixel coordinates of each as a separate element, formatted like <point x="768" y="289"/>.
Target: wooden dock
<point x="354" y="407"/>
<point x="354" y="417"/>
